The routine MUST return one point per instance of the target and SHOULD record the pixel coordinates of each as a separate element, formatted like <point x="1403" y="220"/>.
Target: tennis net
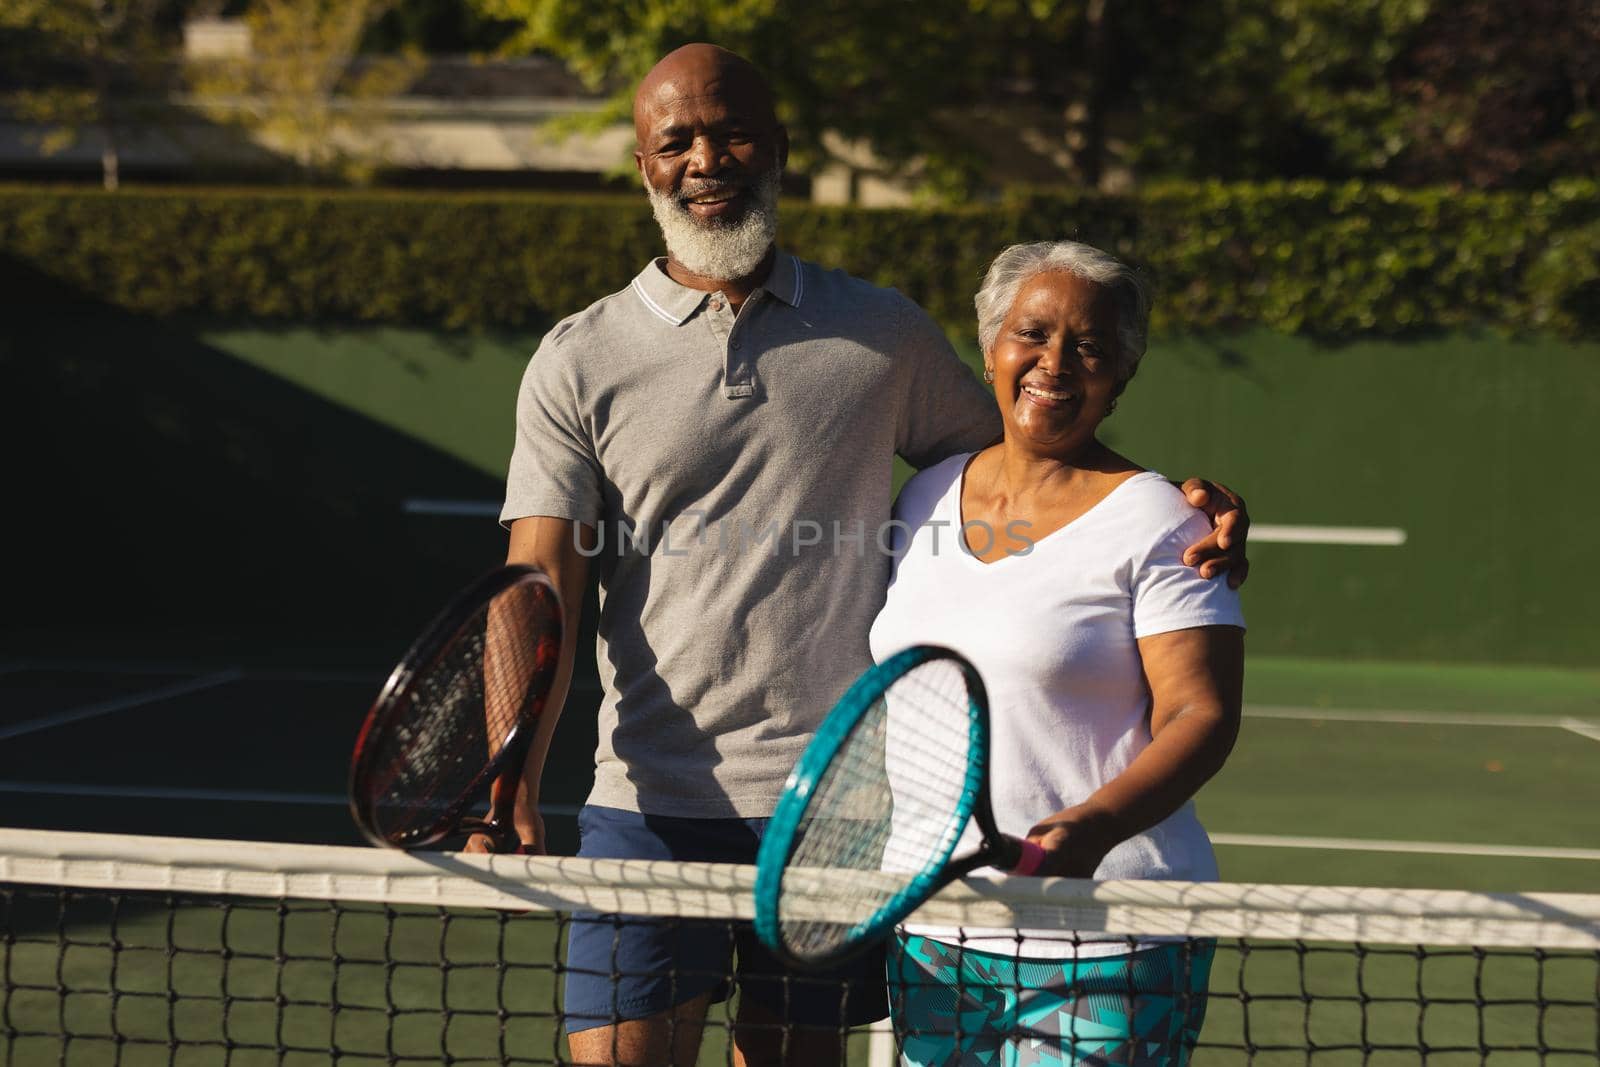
<point x="141" y="950"/>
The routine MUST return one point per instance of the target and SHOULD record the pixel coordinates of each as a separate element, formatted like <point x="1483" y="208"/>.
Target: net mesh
<point x="889" y="801"/>
<point x="167" y="951"/>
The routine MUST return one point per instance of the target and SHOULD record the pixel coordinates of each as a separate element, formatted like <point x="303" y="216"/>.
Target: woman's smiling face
<point x="1054" y="362"/>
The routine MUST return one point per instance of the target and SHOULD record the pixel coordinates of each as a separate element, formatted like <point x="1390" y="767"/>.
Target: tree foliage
<point x="1502" y="94"/>
<point x="1479" y="92"/>
<point x="857" y="68"/>
<point x="103" y="52"/>
<point x="1255" y="89"/>
<point x="301" y="90"/>
<point x="1471" y="92"/>
<point x="435" y="26"/>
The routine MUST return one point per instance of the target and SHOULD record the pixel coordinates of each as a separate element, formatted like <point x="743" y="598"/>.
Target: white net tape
<point x="717" y="891"/>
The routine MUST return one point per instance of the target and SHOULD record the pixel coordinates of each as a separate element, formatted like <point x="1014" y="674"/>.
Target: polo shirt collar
<point x="674" y="303"/>
<point x="786" y="282"/>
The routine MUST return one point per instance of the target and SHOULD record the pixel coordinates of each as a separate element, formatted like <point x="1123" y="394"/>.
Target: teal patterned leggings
<point x="954" y="1007"/>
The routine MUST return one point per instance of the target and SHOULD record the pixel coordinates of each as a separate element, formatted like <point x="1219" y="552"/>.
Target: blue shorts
<point x="631" y="967"/>
<point x="953" y="1006"/>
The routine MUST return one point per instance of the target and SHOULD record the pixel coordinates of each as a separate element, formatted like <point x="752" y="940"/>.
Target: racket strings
<point x="889" y="803"/>
<point x="460" y="709"/>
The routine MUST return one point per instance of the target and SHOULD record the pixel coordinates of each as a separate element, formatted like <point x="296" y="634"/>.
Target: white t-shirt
<point x="1054" y="634"/>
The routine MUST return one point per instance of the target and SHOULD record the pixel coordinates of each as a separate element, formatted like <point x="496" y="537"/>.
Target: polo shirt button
<point x="716" y="303"/>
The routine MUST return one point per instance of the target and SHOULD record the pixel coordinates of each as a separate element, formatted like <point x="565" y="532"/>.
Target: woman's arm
<point x="1196" y="679"/>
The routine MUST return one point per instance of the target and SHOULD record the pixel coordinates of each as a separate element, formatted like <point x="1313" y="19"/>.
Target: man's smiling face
<point x="710" y="152"/>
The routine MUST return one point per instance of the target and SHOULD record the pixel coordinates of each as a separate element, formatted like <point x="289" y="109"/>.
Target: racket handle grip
<point x="1031" y="860"/>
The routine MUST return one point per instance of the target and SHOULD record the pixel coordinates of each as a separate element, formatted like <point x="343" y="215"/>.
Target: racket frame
<point x="503" y="771"/>
<point x="777" y="843"/>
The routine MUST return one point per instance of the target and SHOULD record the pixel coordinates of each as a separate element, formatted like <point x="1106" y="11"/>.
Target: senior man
<point x="719" y="437"/>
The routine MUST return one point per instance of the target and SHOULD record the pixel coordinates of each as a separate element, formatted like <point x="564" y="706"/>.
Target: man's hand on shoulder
<point x="1223" y="550"/>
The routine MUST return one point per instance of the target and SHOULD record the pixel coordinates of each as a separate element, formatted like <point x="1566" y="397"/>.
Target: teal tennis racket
<point x="870" y="819"/>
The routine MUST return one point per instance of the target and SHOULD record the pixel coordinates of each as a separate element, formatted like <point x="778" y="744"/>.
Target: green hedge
<point x="1300" y="257"/>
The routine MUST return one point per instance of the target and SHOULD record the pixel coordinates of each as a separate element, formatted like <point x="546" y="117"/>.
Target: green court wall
<point x="1480" y="448"/>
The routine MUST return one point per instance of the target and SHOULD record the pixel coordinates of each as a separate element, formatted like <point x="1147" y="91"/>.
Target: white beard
<point x="723" y="251"/>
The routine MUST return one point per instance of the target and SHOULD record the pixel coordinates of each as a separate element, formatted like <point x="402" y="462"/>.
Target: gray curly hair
<point x="1014" y="266"/>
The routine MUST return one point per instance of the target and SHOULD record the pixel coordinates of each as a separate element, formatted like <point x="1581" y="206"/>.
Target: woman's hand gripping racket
<point x="457" y="714"/>
<point x="869" y="821"/>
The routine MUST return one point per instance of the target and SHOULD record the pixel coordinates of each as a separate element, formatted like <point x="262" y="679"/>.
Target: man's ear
<point x="782" y="135"/>
<point x="638" y="162"/>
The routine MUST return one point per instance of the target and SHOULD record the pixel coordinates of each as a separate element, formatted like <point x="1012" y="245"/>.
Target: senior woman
<point x="1114" y="674"/>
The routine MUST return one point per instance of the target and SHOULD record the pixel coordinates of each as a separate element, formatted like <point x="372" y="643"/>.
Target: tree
<point x="865" y="71"/>
<point x="1221" y="88"/>
<point x="104" y="52"/>
<point x="1257" y="89"/>
<point x="1498" y="94"/>
<point x="1401" y="90"/>
<point x="1473" y="92"/>
<point x="302" y="90"/>
<point x="434" y="26"/>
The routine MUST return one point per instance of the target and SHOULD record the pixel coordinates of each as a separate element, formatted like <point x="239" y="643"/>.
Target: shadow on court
<point x="178" y="514"/>
<point x="171" y="500"/>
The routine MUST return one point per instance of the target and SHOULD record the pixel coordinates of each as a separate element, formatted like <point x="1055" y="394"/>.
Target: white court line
<point x="373" y="677"/>
<point x="223" y="796"/>
<point x="295" y="674"/>
<point x="1580" y="727"/>
<point x="139" y="792"/>
<point x="1381" y="536"/>
<point x="263" y="674"/>
<point x="108" y="707"/>
<point x="1346" y="844"/>
<point x="111" y="666"/>
<point x="469" y="509"/>
<point x="1437" y="848"/>
<point x="1413" y="718"/>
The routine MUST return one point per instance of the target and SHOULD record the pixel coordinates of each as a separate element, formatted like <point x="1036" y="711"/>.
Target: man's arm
<point x="553" y="546"/>
<point x="944" y="409"/>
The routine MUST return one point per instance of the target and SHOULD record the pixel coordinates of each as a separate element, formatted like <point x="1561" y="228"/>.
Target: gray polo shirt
<point x="738" y="469"/>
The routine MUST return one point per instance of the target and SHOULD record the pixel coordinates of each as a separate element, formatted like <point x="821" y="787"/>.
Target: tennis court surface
<point x="1482" y="782"/>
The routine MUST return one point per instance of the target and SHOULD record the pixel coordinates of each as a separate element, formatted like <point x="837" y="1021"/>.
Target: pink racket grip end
<point x="1032" y="858"/>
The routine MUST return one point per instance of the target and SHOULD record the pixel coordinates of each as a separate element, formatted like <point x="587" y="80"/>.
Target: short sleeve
<point x="1168" y="594"/>
<point x="944" y="410"/>
<point x="553" y="469"/>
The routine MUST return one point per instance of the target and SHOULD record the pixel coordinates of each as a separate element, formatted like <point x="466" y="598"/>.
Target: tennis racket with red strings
<point x="455" y="719"/>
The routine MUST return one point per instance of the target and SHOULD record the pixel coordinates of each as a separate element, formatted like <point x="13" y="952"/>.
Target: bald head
<point x="711" y="152"/>
<point x="702" y="73"/>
